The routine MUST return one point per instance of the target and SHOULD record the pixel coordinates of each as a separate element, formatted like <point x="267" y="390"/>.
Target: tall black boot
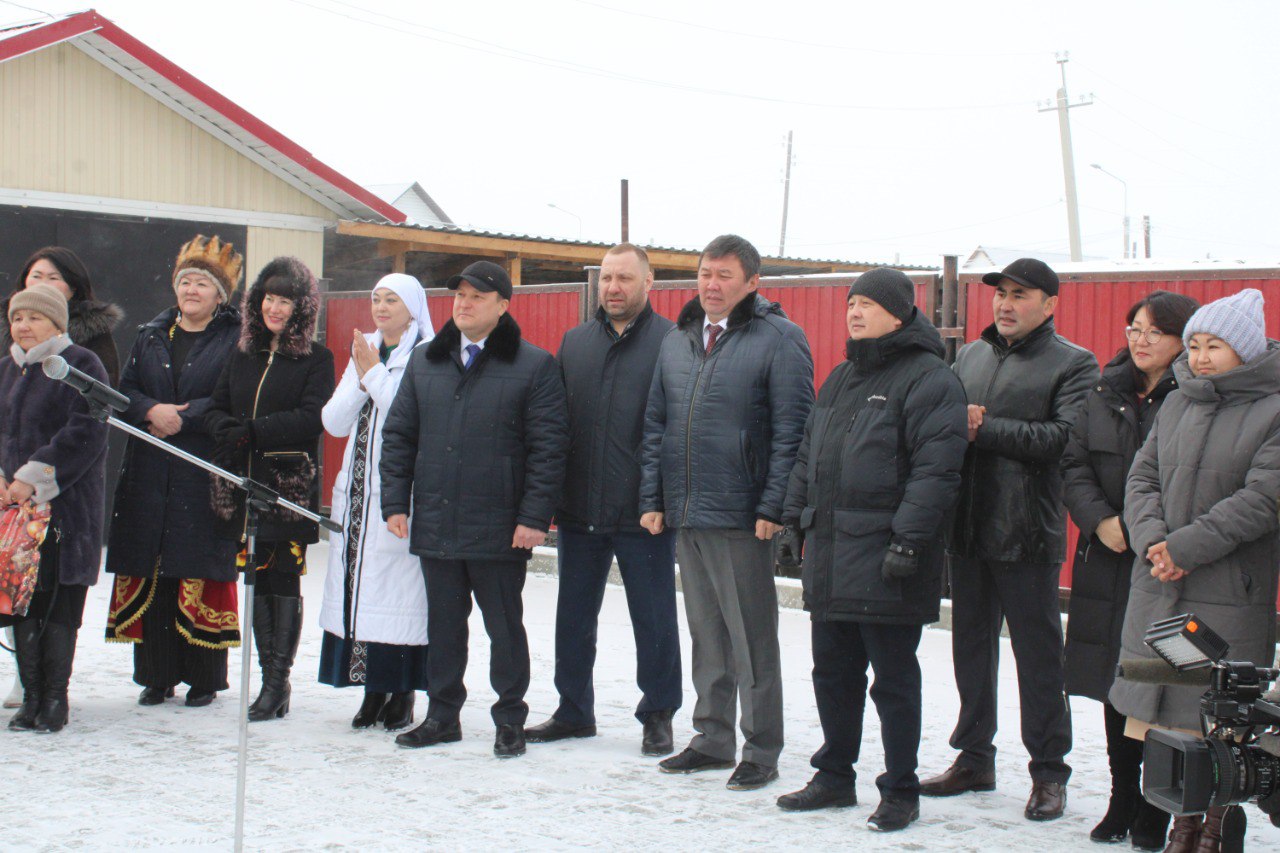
<point x="264" y="639"/>
<point x="26" y="642"/>
<point x="57" y="651"/>
<point x="274" y="700"/>
<point x="1124" y="755"/>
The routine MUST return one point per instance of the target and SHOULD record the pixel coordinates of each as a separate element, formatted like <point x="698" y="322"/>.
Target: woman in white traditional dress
<point x="375" y="601"/>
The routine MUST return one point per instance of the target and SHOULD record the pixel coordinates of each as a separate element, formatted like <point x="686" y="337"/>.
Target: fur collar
<point x="38" y="353"/>
<point x="752" y="305"/>
<point x="85" y="320"/>
<point x="295" y="340"/>
<point x="503" y="342"/>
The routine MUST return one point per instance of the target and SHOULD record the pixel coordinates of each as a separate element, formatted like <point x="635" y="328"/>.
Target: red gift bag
<point x="22" y="531"/>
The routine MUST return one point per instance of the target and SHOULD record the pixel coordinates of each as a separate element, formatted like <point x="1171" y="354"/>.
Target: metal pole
<point x="786" y="201"/>
<point x="626" y="211"/>
<point x="1125" y="185"/>
<point x="1146" y="235"/>
<point x="246" y="664"/>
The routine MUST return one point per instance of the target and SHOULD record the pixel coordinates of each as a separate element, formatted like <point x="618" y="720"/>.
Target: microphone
<point x="1154" y="671"/>
<point x="97" y="393"/>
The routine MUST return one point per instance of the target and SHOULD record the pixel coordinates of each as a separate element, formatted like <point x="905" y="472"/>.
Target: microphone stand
<point x="257" y="499"/>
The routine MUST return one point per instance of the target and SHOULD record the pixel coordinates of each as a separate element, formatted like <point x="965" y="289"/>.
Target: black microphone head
<point x="55" y="367"/>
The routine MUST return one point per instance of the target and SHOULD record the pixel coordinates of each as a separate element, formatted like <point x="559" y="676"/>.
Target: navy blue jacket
<point x="607" y="382"/>
<point x="162" y="502"/>
<point x="722" y="429"/>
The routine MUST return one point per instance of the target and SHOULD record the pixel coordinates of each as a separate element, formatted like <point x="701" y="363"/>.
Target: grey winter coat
<point x="722" y="429"/>
<point x="1207" y="481"/>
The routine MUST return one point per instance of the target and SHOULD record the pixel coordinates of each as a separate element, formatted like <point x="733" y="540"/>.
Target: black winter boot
<point x="1149" y="827"/>
<point x="57" y="652"/>
<point x="26" y="641"/>
<point x="1124" y="755"/>
<point x="398" y="712"/>
<point x="286" y="614"/>
<point x="263" y="639"/>
<point x="371" y="710"/>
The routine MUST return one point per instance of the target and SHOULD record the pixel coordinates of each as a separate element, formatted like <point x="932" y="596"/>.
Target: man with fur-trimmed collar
<point x="727" y="407"/>
<point x="475" y="447"/>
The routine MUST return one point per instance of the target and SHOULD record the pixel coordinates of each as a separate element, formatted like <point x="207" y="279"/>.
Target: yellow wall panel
<point x="268" y="243"/>
<point x="70" y="125"/>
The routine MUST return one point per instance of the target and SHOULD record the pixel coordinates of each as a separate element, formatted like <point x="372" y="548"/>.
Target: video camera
<point x="1185" y="775"/>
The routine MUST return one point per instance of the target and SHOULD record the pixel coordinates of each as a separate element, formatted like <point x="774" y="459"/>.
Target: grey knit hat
<point x="1236" y="319"/>
<point x="46" y="299"/>
<point x="888" y="288"/>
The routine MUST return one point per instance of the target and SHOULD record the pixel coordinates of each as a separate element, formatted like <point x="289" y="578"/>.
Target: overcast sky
<point x="916" y="125"/>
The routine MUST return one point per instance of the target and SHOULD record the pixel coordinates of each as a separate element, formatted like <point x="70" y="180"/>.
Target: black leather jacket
<point x="1011" y="497"/>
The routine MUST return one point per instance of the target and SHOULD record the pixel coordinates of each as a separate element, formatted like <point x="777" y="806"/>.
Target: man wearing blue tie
<point x="475" y="448"/>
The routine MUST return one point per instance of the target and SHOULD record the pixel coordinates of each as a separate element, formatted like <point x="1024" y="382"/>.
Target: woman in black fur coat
<point x="265" y="420"/>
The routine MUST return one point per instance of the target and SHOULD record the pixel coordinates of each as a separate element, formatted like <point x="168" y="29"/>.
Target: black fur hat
<point x="290" y="278"/>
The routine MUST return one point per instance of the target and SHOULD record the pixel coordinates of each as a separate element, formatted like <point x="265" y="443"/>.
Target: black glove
<point x="900" y="561"/>
<point x="233" y="440"/>
<point x="790" y="548"/>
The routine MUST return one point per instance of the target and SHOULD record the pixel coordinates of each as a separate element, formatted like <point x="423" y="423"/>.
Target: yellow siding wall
<point x="69" y="125"/>
<point x="268" y="243"/>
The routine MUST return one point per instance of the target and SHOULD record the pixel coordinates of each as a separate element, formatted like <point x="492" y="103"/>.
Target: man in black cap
<point x="1025" y="384"/>
<point x="475" y="446"/>
<point x="874" y="482"/>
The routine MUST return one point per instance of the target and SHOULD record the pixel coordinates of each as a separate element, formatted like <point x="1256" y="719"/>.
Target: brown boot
<point x="1223" y="830"/>
<point x="1184" y="834"/>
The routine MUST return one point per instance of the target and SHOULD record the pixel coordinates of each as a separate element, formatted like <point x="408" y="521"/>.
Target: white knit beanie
<point x="1236" y="319"/>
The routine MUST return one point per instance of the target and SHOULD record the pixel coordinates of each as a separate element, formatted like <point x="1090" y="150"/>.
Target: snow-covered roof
<point x="1000" y="257"/>
<point x="111" y="46"/>
<point x="1143" y="265"/>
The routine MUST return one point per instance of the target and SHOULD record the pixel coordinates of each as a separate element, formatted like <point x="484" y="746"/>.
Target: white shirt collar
<point x="466" y="342"/>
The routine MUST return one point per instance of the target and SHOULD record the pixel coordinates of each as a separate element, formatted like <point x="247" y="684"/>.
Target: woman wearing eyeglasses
<point x="1115" y="421"/>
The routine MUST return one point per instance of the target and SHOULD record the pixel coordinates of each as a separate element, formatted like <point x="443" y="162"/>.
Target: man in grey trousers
<point x="731" y="391"/>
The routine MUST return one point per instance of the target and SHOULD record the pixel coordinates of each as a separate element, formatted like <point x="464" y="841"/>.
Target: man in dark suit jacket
<point x="476" y="438"/>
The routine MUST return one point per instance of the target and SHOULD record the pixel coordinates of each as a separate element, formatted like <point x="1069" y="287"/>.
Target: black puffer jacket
<point x="278" y="395"/>
<point x="1103" y="442"/>
<point x="722" y="430"/>
<point x="162" y="502"/>
<point x="89" y="324"/>
<point x="880" y="462"/>
<point x="607" y="382"/>
<point x="1011" y="498"/>
<point x="479" y="450"/>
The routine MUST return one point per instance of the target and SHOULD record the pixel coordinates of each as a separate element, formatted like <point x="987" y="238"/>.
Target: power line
<point x="929" y="233"/>
<point x="495" y="49"/>
<point x="29" y="9"/>
<point x="802" y="42"/>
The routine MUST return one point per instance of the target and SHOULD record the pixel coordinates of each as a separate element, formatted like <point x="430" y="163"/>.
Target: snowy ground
<point x="122" y="776"/>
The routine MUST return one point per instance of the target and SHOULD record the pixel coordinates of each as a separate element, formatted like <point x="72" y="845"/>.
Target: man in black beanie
<point x="877" y="474"/>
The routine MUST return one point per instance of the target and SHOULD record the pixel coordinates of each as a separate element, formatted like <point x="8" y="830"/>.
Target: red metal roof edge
<point x="91" y="22"/>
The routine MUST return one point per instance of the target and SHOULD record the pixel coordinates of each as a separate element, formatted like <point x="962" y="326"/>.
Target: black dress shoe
<point x="370" y="710"/>
<point x="430" y="733"/>
<point x="509" y="741"/>
<point x="199" y="698"/>
<point x="894" y="813"/>
<point x="816" y="796"/>
<point x="398" y="712"/>
<point x="959" y="779"/>
<point x="657" y="734"/>
<point x="1047" y="801"/>
<point x="553" y="730"/>
<point x="749" y="776"/>
<point x="692" y="761"/>
<point x="154" y="695"/>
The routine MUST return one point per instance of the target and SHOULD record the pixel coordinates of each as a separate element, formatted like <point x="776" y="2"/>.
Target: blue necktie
<point x="473" y="350"/>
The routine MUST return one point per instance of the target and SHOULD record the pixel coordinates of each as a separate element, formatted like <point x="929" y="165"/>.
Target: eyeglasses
<point x="1153" y="336"/>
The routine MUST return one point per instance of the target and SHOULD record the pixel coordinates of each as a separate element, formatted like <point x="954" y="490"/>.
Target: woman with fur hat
<point x="374" y="614"/>
<point x="175" y="589"/>
<point x="89" y="322"/>
<point x="1201" y="510"/>
<point x="265" y="420"/>
<point x="51" y="450"/>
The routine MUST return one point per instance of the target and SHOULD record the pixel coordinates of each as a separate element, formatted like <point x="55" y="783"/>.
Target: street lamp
<point x="571" y="213"/>
<point x="1126" y="204"/>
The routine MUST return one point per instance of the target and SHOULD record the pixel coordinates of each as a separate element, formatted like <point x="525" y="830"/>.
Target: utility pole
<point x="786" y="200"/>
<point x="626" y="212"/>
<point x="1146" y="235"/>
<point x="1060" y="105"/>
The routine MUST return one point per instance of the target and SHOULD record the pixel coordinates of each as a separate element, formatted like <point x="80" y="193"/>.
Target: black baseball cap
<point x="1027" y="272"/>
<point x="486" y="276"/>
